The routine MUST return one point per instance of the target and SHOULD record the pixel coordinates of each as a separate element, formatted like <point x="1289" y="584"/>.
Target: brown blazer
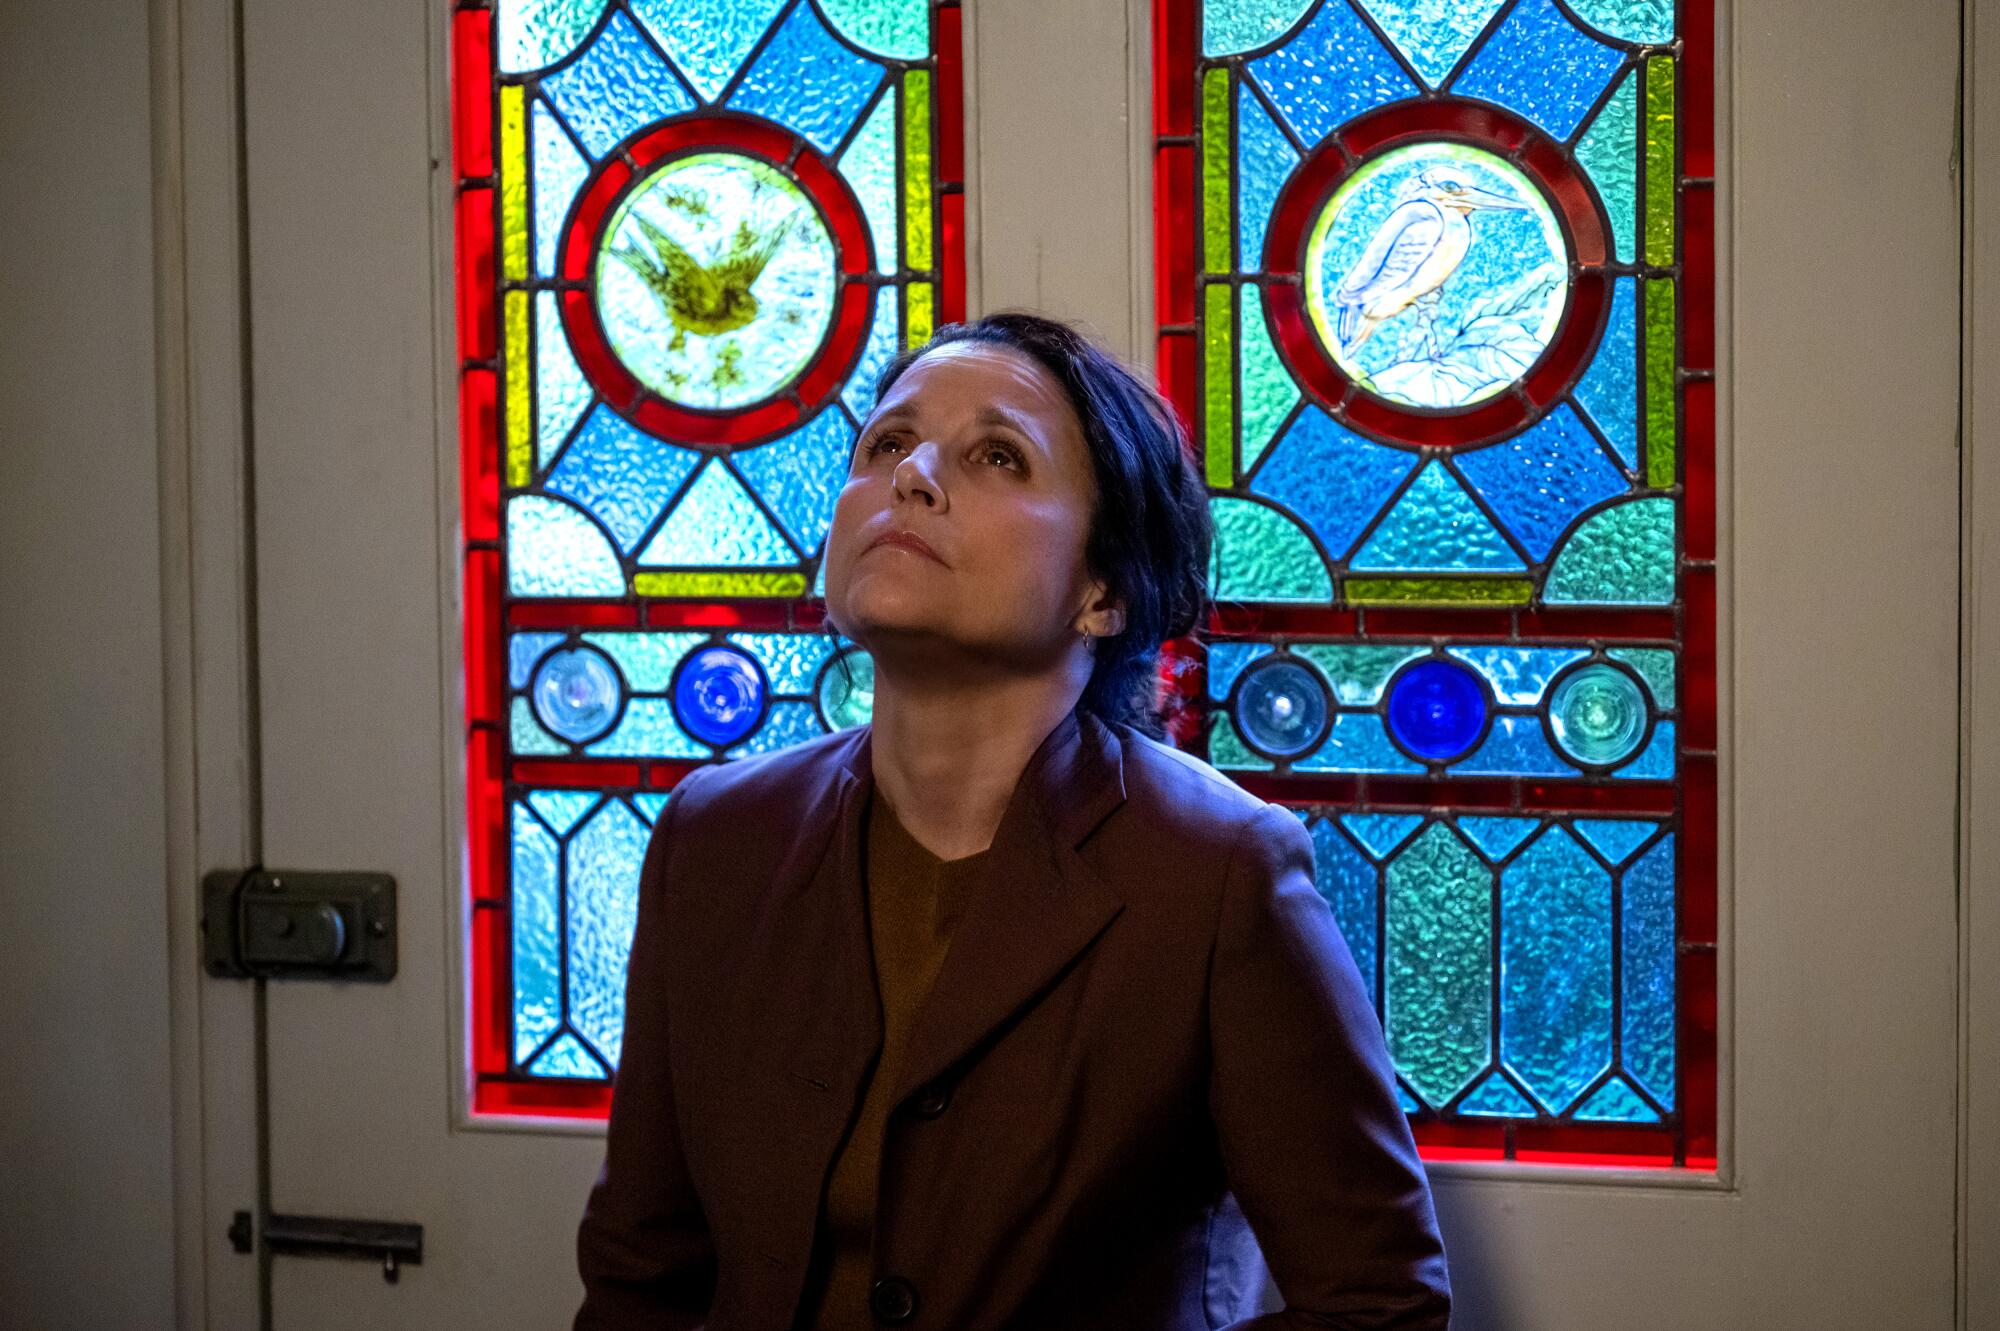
<point x="1147" y="1029"/>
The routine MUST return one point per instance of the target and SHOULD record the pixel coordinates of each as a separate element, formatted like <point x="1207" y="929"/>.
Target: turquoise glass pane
<point x="1439" y="983"/>
<point x="1518" y="674"/>
<point x="1435" y="527"/>
<point x="1226" y="749"/>
<point x="1259" y="554"/>
<point x="1647" y="940"/>
<point x="717" y="524"/>
<point x="522" y="651"/>
<point x="1657" y="762"/>
<point x="800" y="474"/>
<point x="1358" y="670"/>
<point x="1380" y="833"/>
<point x="1615" y="838"/>
<point x="1231" y="26"/>
<point x="536" y="937"/>
<point x="791" y="661"/>
<point x="648" y="730"/>
<point x="1264" y="158"/>
<point x="1609" y="154"/>
<point x="619" y="85"/>
<point x="650" y="806"/>
<point x="1495" y="834"/>
<point x="525" y="736"/>
<point x="1330" y="477"/>
<point x="1623" y="555"/>
<point x="1655" y="665"/>
<point x="561" y="392"/>
<point x="708" y="39"/>
<point x="1347" y="880"/>
<point x="553" y="549"/>
<point x="1539" y="64"/>
<point x="1615" y="1102"/>
<point x="897" y="29"/>
<point x="859" y="395"/>
<point x="1226" y="661"/>
<point x="1333" y="69"/>
<point x="562" y="810"/>
<point x="1628" y="20"/>
<point x="870" y="167"/>
<point x="1496" y="1097"/>
<point x="1555" y="968"/>
<point x="621" y="474"/>
<point x="1357" y="742"/>
<point x="647" y="660"/>
<point x="1433" y="34"/>
<point x="602" y="899"/>
<point x="786" y="724"/>
<point x="529" y="34"/>
<point x="806" y="80"/>
<point x="567" y="1057"/>
<point x="1608" y="392"/>
<point x="1514" y="747"/>
<point x="1539" y="480"/>
<point x="559" y="174"/>
<point x="1268" y="393"/>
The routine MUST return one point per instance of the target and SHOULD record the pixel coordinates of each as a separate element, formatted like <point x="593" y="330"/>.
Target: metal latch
<point x="395" y="1245"/>
<point x="299" y="924"/>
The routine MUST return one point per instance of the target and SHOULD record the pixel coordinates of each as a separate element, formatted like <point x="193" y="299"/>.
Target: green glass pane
<point x="1215" y="228"/>
<point x="1622" y="555"/>
<point x="917" y="168"/>
<point x="1437" y="591"/>
<point x="1226" y="749"/>
<point x="898" y="29"/>
<point x="870" y="167"/>
<point x="1661" y="171"/>
<point x="1609" y="152"/>
<point x="1358" y="671"/>
<point x="1656" y="666"/>
<point x="1661" y="413"/>
<point x="1268" y="393"/>
<point x="1259" y="554"/>
<point x="1218" y="378"/>
<point x="1438" y="997"/>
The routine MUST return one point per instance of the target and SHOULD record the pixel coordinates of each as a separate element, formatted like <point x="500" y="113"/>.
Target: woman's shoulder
<point x="1180" y="799"/>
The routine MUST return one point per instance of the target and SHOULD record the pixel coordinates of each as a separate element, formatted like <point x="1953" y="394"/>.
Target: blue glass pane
<point x="528" y="34"/>
<point x="559" y="174"/>
<point x="717" y="524"/>
<point x="1621" y="555"/>
<point x="525" y="735"/>
<point x="1614" y="1102"/>
<point x="650" y="806"/>
<point x="1264" y="158"/>
<point x="1347" y="880"/>
<point x="648" y="730"/>
<point x="791" y="660"/>
<point x="567" y="1058"/>
<point x="561" y="391"/>
<point x="1647" y="898"/>
<point x="1495" y="1097"/>
<point x="1629" y="20"/>
<point x="1518" y="674"/>
<point x="1436" y="527"/>
<point x="1281" y="707"/>
<point x="562" y="809"/>
<point x="1543" y="477"/>
<point x="1357" y="743"/>
<point x="554" y="550"/>
<point x="1555" y="968"/>
<point x="619" y="85"/>
<point x="1260" y="554"/>
<point x="807" y="80"/>
<point x="1406" y="1100"/>
<point x="1609" y="154"/>
<point x="1615" y="838"/>
<point x="800" y="474"/>
<point x="1381" y="833"/>
<point x="1243" y="25"/>
<point x="1437" y="709"/>
<point x="1514" y="747"/>
<point x="522" y="651"/>
<point x="537" y="971"/>
<point x="787" y="724"/>
<point x="707" y="38"/>
<point x="719" y="696"/>
<point x="1439" y="985"/>
<point x="1609" y="389"/>
<point x="870" y="167"/>
<point x="1433" y="34"/>
<point x="621" y="474"/>
<point x="859" y="394"/>
<point x="1226" y="661"/>
<point x="1496" y="835"/>
<point x="604" y="859"/>
<point x="1331" y="477"/>
<point x="1657" y="762"/>
<point x="1540" y="65"/>
<point x="1333" y="69"/>
<point x="647" y="660"/>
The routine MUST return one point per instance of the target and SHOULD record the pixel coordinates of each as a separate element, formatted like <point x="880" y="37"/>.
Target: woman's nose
<point x="916" y="475"/>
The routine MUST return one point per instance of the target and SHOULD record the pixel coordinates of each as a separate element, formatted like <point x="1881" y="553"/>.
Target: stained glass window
<point x="689" y="236"/>
<point x="1435" y="289"/>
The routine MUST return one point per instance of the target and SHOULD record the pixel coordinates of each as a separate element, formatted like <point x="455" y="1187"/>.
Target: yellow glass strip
<point x="917" y="169"/>
<point x="917" y="315"/>
<point x="1661" y="168"/>
<point x="719" y="584"/>
<point x="1215" y="228"/>
<point x="515" y="365"/>
<point x="513" y="184"/>
<point x="1438" y="591"/>
<point x="1662" y="353"/>
<point x="1218" y="382"/>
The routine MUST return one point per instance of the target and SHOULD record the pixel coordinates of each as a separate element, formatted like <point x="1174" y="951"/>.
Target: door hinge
<point x="394" y="1244"/>
<point x="298" y="924"/>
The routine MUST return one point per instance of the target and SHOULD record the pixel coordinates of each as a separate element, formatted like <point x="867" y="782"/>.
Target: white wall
<point x="85" y="1165"/>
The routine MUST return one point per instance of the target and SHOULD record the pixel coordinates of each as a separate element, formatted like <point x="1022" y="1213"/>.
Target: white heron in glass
<point x="1419" y="245"/>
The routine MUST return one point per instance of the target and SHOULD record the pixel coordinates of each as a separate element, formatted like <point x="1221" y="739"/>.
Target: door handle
<point x="298" y="924"/>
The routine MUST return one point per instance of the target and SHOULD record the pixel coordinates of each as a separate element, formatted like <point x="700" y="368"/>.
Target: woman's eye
<point x="877" y="444"/>
<point x="1007" y="453"/>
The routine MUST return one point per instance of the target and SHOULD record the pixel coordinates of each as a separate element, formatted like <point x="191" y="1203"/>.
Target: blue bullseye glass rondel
<point x="1281" y="707"/>
<point x="1437" y="709"/>
<point x="576" y="693"/>
<point x="1597" y="714"/>
<point x="719" y="696"/>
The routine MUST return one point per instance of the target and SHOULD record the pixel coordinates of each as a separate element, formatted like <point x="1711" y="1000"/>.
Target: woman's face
<point x="975" y="452"/>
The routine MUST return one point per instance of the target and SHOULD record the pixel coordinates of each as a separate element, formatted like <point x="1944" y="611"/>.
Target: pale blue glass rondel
<point x="576" y="693"/>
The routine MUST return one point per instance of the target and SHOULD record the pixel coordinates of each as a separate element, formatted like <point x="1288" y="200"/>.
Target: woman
<point x="997" y="1012"/>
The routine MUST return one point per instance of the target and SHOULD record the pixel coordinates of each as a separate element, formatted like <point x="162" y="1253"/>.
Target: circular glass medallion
<point x="1436" y="275"/>
<point x="1597" y="714"/>
<point x="576" y="693"/>
<point x="1281" y="707"/>
<point x="716" y="280"/>
<point x="719" y="695"/>
<point x="843" y="703"/>
<point x="1437" y="709"/>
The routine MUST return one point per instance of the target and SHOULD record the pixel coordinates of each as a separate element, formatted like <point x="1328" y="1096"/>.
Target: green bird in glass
<point x="710" y="298"/>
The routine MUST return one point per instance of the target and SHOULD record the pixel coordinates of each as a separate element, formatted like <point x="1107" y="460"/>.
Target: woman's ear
<point x="1103" y="614"/>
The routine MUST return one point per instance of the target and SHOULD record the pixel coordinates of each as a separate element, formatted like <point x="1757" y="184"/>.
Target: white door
<point x="1838" y="242"/>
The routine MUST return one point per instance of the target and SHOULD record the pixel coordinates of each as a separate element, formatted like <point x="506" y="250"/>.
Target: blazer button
<point x="893" y="1300"/>
<point x="931" y="1100"/>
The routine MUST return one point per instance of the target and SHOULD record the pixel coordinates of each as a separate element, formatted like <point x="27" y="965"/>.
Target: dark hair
<point x="1151" y="533"/>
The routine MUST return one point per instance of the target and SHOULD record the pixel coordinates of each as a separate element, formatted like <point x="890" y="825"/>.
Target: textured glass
<point x="1259" y="554"/>
<point x="559" y="173"/>
<point x="800" y="474"/>
<point x="1623" y="555"/>
<point x="567" y="1057"/>
<point x="1608" y="392"/>
<point x="1418" y="302"/>
<point x="1330" y="477"/>
<point x="1347" y="881"/>
<point x="619" y="85"/>
<point x="528" y="34"/>
<point x="1215" y="192"/>
<point x="1281" y="707"/>
<point x="602" y="899"/>
<point x="1615" y="838"/>
<point x="716" y="522"/>
<point x="1268" y="395"/>
<point x="1227" y="750"/>
<point x="1380" y="833"/>
<point x="1496" y="835"/>
<point x="622" y="475"/>
<point x="650" y="806"/>
<point x="1540" y="479"/>
<point x="1435" y="527"/>
<point x="523" y="649"/>
<point x="1264" y="158"/>
<point x="513" y="171"/>
<point x="791" y="661"/>
<point x="1661" y="167"/>
<point x="519" y="365"/>
<point x="525" y="736"/>
<point x="1656" y="763"/>
<point x="562" y="810"/>
<point x="1661" y="357"/>
<point x="1358" y="671"/>
<point x="859" y="395"/>
<point x="719" y="695"/>
<point x="649" y="729"/>
<point x="1598" y="714"/>
<point x="1539" y="64"/>
<point x="1333" y="69"/>
<point x="917" y="168"/>
<point x="1226" y="661"/>
<point x="786" y="724"/>
<point x="1628" y="20"/>
<point x="1647" y="925"/>
<point x="1518" y="675"/>
<point x="847" y="690"/>
<point x="576" y="694"/>
<point x="536" y="937"/>
<point x="1228" y="28"/>
<point x="1615" y="1102"/>
<point x="1437" y="591"/>
<point x="1357" y="743"/>
<point x="1656" y="666"/>
<point x="1515" y="746"/>
<point x="740" y="583"/>
<point x="1439" y="985"/>
<point x="647" y="660"/>
<point x="554" y="550"/>
<point x="1218" y="379"/>
<point x="1437" y="709"/>
<point x="1609" y="153"/>
<point x="806" y="80"/>
<point x="870" y="167"/>
<point x="1496" y="1097"/>
<point x="917" y="296"/>
<point x="561" y="391"/>
<point x="1555" y="968"/>
<point x="707" y="39"/>
<point x="898" y="29"/>
<point x="1434" y="34"/>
